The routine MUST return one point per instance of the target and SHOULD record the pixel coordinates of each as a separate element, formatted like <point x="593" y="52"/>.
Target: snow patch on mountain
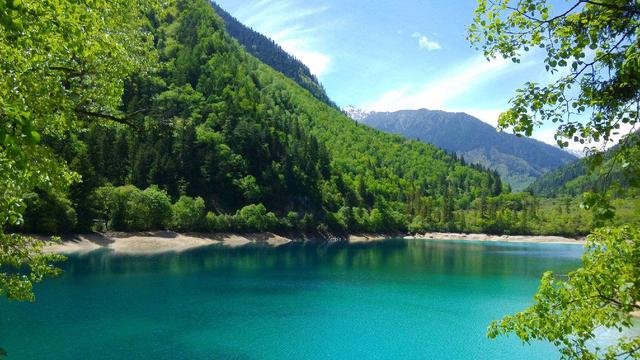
<point x="356" y="113"/>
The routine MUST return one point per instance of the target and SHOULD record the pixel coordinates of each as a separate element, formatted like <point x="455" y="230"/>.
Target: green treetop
<point x="591" y="48"/>
<point x="62" y="62"/>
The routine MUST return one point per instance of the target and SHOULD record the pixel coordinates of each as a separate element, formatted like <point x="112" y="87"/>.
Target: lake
<point x="399" y="299"/>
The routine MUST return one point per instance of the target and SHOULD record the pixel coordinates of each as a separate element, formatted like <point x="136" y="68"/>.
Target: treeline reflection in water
<point x="413" y="257"/>
<point x="400" y="299"/>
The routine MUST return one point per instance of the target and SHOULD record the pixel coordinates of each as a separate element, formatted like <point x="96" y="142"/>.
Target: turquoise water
<point x="392" y="300"/>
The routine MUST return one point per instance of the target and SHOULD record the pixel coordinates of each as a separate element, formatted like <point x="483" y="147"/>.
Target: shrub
<point x="256" y="218"/>
<point x="344" y="218"/>
<point x="189" y="214"/>
<point x="291" y="220"/>
<point x="376" y="220"/>
<point x="149" y="209"/>
<point x="417" y="225"/>
<point x="332" y="221"/>
<point x="111" y="204"/>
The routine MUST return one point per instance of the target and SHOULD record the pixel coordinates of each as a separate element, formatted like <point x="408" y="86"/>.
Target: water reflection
<point x="392" y="256"/>
<point x="396" y="299"/>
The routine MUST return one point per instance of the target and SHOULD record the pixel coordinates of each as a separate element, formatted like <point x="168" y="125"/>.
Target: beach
<point x="157" y="242"/>
<point x="501" y="238"/>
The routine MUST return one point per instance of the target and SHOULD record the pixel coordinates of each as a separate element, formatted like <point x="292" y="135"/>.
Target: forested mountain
<point x="270" y="53"/>
<point x="582" y="175"/>
<point x="519" y="161"/>
<point x="222" y="142"/>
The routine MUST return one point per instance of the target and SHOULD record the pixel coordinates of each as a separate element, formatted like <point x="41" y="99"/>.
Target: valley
<point x="177" y="182"/>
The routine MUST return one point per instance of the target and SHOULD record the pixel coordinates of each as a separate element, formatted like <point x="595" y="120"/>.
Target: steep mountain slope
<point x="216" y="123"/>
<point x="519" y="161"/>
<point x="577" y="176"/>
<point x="270" y="53"/>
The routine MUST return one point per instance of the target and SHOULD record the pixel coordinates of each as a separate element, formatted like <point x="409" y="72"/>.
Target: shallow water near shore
<point x="398" y="299"/>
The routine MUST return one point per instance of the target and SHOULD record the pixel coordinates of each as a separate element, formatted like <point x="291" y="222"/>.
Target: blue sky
<point x="388" y="55"/>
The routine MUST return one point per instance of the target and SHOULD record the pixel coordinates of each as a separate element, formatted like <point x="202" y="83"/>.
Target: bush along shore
<point x="128" y="221"/>
<point x="130" y="209"/>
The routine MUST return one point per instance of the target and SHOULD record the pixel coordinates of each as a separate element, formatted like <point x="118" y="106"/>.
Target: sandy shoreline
<point x="157" y="242"/>
<point x="500" y="238"/>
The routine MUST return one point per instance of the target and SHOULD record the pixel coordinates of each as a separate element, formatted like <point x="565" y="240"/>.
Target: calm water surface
<point x="392" y="300"/>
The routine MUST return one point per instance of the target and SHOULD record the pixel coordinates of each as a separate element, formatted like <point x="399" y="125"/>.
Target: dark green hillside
<point x="577" y="177"/>
<point x="219" y="141"/>
<point x="217" y="124"/>
<point x="571" y="179"/>
<point x="270" y="53"/>
<point x="519" y="161"/>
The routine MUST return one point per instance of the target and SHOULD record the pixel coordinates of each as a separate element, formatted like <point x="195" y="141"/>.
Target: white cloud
<point x="286" y="22"/>
<point x="317" y="62"/>
<point x="547" y="135"/>
<point x="425" y="43"/>
<point x="437" y="93"/>
<point x="490" y="116"/>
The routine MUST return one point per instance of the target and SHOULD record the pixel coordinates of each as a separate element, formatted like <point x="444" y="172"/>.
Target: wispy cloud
<point x="425" y="43"/>
<point x="440" y="92"/>
<point x="490" y="116"/>
<point x="317" y="62"/>
<point x="287" y="23"/>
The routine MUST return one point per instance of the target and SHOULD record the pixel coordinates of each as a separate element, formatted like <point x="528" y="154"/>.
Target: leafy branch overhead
<point x="61" y="63"/>
<point x="599" y="296"/>
<point x="591" y="48"/>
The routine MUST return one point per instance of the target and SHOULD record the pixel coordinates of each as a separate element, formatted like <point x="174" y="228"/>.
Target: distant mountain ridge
<point x="519" y="161"/>
<point x="270" y="53"/>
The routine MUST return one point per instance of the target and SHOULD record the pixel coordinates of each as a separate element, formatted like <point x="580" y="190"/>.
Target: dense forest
<point x="216" y="140"/>
<point x="598" y="172"/>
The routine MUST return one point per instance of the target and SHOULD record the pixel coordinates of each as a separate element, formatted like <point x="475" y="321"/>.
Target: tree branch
<point x="607" y="53"/>
<point x="632" y="9"/>
<point x="125" y="119"/>
<point x="540" y="21"/>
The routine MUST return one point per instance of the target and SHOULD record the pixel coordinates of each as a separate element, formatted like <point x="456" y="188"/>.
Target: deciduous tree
<point x="592" y="50"/>
<point x="62" y="62"/>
